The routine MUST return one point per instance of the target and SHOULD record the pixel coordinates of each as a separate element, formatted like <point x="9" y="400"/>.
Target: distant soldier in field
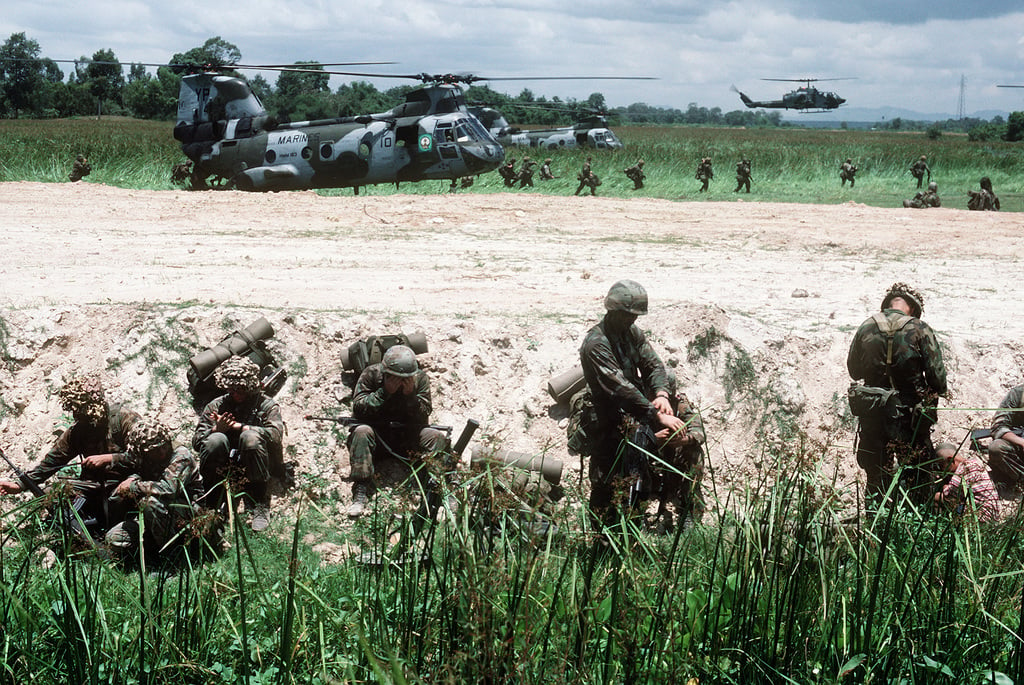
<point x="80" y="169"/>
<point x="525" y="175"/>
<point x="584" y="178"/>
<point x="636" y="174"/>
<point x="983" y="200"/>
<point x="929" y="198"/>
<point x="508" y="172"/>
<point x="181" y="172"/>
<point x="919" y="168"/>
<point x="704" y="173"/>
<point x="848" y="172"/>
<point x="742" y="175"/>
<point x="545" y="170"/>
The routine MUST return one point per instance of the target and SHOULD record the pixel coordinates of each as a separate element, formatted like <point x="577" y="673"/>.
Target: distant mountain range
<point x="882" y="114"/>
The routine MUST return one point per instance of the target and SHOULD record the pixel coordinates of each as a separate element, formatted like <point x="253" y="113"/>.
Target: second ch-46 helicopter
<point x="806" y="98"/>
<point x="233" y="142"/>
<point x="591" y="132"/>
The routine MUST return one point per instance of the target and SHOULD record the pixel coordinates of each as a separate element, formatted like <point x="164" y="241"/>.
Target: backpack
<point x="582" y="429"/>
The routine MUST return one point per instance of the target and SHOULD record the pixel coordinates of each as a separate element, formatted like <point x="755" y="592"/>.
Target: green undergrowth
<point x="773" y="587"/>
<point x="789" y="165"/>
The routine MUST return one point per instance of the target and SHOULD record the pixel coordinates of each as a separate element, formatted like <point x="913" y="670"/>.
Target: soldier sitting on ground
<point x="99" y="435"/>
<point x="80" y="169"/>
<point x="238" y="438"/>
<point x="984" y="200"/>
<point x="636" y="174"/>
<point x="392" y="398"/>
<point x="929" y="198"/>
<point x="1006" y="451"/>
<point x="163" y="492"/>
<point x="181" y="172"/>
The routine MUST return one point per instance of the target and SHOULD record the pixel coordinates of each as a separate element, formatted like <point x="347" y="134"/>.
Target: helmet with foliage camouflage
<point x="400" y="361"/>
<point x="82" y="395"/>
<point x="904" y="291"/>
<point x="627" y="296"/>
<point x="237" y="372"/>
<point x="933" y="186"/>
<point x="146" y="434"/>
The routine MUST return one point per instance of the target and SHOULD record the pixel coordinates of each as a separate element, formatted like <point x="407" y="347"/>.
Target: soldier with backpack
<point x="897" y="357"/>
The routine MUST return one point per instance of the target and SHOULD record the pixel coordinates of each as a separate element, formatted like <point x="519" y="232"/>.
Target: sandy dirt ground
<point x="504" y="286"/>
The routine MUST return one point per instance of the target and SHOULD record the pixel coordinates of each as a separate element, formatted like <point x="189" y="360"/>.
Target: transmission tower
<point x="961" y="105"/>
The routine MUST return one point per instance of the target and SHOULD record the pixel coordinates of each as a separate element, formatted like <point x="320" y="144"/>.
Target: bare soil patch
<point x="753" y="304"/>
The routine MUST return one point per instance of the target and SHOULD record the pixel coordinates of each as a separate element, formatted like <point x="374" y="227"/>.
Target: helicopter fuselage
<point x="431" y="136"/>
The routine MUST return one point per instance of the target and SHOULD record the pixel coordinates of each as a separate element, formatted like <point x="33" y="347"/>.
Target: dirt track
<point x="504" y="285"/>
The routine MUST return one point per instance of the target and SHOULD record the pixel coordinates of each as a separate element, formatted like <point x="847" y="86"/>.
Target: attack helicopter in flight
<point x="806" y="98"/>
<point x="592" y="132"/>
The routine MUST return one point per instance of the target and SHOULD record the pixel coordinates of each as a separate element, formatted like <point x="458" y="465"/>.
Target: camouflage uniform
<point x="164" y="491"/>
<point x="681" y="486"/>
<point x="181" y="172"/>
<point x="704" y="173"/>
<point x="508" y="172"/>
<point x="918" y="373"/>
<point x="918" y="170"/>
<point x="636" y="174"/>
<point x="1005" y="458"/>
<point x="259" y="441"/>
<point x="929" y="198"/>
<point x="80" y="169"/>
<point x="545" y="170"/>
<point x="409" y="437"/>
<point x="742" y="175"/>
<point x="984" y="200"/>
<point x="848" y="172"/>
<point x="622" y="371"/>
<point x="584" y="177"/>
<point x="525" y="174"/>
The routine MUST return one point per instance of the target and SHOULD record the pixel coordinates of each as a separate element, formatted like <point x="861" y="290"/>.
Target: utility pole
<point x="961" y="105"/>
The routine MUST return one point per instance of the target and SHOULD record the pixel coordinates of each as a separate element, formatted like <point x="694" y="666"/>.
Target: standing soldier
<point x="893" y="349"/>
<point x="918" y="170"/>
<point x="584" y="178"/>
<point x="629" y="390"/>
<point x="742" y="175"/>
<point x="545" y="170"/>
<point x="392" y="399"/>
<point x="704" y="173"/>
<point x="239" y="438"/>
<point x="525" y="174"/>
<point x="508" y="172"/>
<point x="80" y="169"/>
<point x="636" y="174"/>
<point x="848" y="172"/>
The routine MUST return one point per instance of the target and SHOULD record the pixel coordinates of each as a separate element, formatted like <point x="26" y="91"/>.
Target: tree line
<point x="34" y="86"/>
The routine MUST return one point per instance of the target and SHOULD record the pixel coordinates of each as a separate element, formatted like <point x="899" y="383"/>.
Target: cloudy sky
<point x="908" y="54"/>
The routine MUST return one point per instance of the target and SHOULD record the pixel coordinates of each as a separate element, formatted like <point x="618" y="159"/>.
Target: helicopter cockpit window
<point x="463" y="133"/>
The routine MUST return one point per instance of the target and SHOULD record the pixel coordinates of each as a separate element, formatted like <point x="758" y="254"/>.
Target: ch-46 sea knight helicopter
<point x="806" y="98"/>
<point x="590" y="132"/>
<point x="233" y="141"/>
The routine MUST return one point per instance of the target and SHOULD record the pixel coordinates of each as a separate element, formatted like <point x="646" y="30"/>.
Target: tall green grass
<point x="789" y="165"/>
<point x="775" y="589"/>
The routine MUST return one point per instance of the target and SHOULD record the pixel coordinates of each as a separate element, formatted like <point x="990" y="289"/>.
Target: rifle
<point x="69" y="518"/>
<point x="639" y="442"/>
<point x="978" y="434"/>
<point x="353" y="421"/>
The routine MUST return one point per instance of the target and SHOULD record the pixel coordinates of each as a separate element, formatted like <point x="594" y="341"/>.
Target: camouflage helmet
<point x="923" y="158"/>
<point x="933" y="186"/>
<point x="626" y="296"/>
<point x="238" y="372"/>
<point x="82" y="394"/>
<point x="146" y="434"/>
<point x="913" y="297"/>
<point x="849" y="160"/>
<point x="547" y="160"/>
<point x="400" y="360"/>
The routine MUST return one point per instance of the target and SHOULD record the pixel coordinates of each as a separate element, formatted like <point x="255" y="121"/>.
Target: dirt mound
<point x="752" y="304"/>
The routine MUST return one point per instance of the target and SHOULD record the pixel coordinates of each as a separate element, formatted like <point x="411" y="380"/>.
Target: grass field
<point x="789" y="165"/>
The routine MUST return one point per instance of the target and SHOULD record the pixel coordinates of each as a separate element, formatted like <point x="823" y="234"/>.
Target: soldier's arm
<point x="934" y="368"/>
<point x="56" y="458"/>
<point x="206" y="424"/>
<point x="271" y="425"/>
<point x="369" y="395"/>
<point x="420" y="404"/>
<point x="1010" y="414"/>
<point x="614" y="384"/>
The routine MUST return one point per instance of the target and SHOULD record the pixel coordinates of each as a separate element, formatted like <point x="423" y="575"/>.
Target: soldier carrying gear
<point x="239" y="439"/>
<point x="704" y="173"/>
<point x="629" y="390"/>
<point x="913" y="297"/>
<point x="929" y="198"/>
<point x="80" y="169"/>
<point x="742" y="175"/>
<point x="163" y="490"/>
<point x="636" y="174"/>
<point x="545" y="170"/>
<point x="918" y="170"/>
<point x="984" y="199"/>
<point x="392" y="402"/>
<point x="848" y="172"/>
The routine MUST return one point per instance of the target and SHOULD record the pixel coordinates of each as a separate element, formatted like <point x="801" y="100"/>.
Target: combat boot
<point x="260" y="499"/>
<point x="360" y="498"/>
